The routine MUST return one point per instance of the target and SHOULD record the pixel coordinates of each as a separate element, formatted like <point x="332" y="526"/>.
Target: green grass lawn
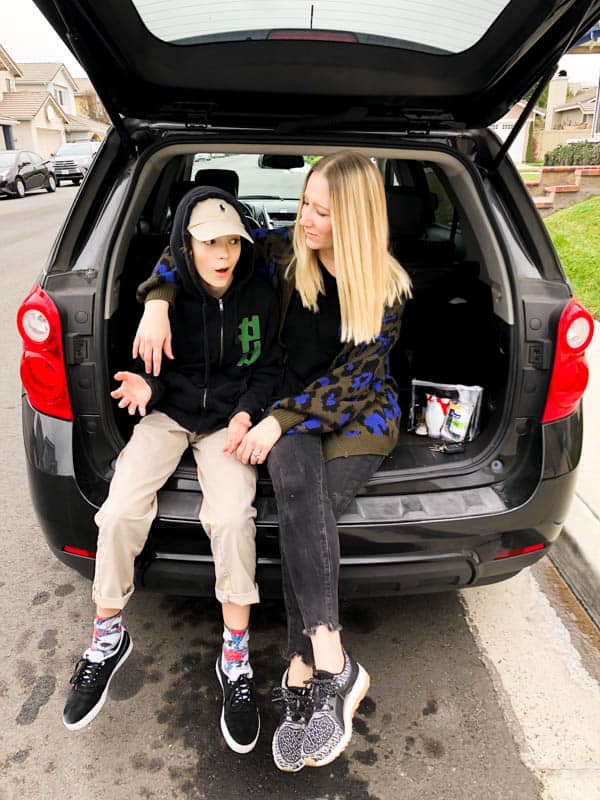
<point x="575" y="232"/>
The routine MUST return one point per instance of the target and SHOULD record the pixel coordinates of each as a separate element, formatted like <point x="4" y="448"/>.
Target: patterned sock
<point x="106" y="639"/>
<point x="235" y="660"/>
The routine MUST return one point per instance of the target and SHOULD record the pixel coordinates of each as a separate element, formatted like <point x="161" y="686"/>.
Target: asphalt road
<point x="490" y="694"/>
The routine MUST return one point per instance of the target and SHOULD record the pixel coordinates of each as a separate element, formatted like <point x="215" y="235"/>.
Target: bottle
<point x="435" y="413"/>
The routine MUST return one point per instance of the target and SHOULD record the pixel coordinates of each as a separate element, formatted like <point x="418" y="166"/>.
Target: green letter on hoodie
<point x="249" y="335"/>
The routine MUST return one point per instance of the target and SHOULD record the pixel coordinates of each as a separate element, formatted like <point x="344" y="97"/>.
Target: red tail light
<point x="42" y="364"/>
<point x="570" y="371"/>
<point x="77" y="551"/>
<point x="313" y="36"/>
<point x="521" y="552"/>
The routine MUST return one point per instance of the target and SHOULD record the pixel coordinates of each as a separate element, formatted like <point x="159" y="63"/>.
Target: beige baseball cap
<point x="214" y="217"/>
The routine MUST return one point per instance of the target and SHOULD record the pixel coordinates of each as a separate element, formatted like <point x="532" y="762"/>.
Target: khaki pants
<point x="227" y="513"/>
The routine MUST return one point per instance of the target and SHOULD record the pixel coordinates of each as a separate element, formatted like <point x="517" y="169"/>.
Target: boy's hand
<point x="236" y="430"/>
<point x="133" y="393"/>
<point x="258" y="442"/>
<point x="153" y="336"/>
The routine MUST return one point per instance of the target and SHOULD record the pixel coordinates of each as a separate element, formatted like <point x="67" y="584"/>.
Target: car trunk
<point x="457" y="329"/>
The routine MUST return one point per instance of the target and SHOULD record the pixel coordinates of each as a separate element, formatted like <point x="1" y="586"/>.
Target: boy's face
<point x="215" y="261"/>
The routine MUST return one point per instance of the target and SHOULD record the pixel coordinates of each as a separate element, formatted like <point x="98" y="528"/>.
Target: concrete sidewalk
<point x="577" y="551"/>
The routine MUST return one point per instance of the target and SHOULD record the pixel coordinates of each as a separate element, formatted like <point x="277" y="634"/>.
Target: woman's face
<point x="315" y="216"/>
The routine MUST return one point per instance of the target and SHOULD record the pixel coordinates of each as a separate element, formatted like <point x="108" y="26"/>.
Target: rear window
<point x="77" y="149"/>
<point x="6" y="160"/>
<point x="445" y="26"/>
<point x="254" y="180"/>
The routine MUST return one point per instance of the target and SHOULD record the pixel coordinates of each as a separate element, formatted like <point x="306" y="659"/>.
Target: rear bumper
<point x="69" y="175"/>
<point x="384" y="552"/>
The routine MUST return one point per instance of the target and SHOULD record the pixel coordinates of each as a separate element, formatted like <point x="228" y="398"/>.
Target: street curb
<point x="576" y="555"/>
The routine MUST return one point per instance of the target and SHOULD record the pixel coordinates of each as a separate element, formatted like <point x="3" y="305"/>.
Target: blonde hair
<point x="368" y="277"/>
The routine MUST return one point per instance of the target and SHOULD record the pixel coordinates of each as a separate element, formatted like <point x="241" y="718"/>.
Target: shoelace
<point x="323" y="689"/>
<point x="297" y="705"/>
<point x="86" y="673"/>
<point x="241" y="694"/>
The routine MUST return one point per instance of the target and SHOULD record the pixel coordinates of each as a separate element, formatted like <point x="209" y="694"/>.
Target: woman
<point x="342" y="295"/>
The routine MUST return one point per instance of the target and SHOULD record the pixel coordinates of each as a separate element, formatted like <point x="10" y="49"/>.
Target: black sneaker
<point x="288" y="736"/>
<point x="335" y="698"/>
<point x="240" y="720"/>
<point x="90" y="682"/>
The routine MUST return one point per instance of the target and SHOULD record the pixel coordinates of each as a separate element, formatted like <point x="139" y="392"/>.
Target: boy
<point x="223" y="374"/>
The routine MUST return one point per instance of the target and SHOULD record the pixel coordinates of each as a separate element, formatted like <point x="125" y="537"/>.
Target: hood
<point x="180" y="241"/>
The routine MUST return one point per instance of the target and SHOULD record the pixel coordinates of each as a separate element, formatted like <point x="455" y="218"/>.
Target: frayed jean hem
<point x="331" y="626"/>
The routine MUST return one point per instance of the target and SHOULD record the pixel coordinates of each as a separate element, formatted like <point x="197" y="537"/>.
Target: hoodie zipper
<point x="221" y="315"/>
<point x="221" y="349"/>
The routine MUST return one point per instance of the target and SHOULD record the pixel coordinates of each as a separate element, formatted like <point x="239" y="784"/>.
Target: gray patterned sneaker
<point x="287" y="739"/>
<point x="335" y="699"/>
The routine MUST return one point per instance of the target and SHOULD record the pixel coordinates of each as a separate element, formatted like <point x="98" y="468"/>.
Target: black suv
<point x="243" y="104"/>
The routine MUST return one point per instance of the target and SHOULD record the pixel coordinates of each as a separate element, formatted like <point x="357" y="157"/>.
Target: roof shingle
<point x="25" y="105"/>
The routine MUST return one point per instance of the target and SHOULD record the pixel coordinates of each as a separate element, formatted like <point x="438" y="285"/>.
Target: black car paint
<point x="70" y="464"/>
<point x="399" y="99"/>
<point x="386" y="558"/>
<point x="31" y="170"/>
<point x="261" y="83"/>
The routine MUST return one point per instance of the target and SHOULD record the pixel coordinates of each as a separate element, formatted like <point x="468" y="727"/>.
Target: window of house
<point x="58" y="93"/>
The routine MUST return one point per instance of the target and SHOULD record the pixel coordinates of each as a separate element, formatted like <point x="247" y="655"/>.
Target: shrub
<point x="575" y="154"/>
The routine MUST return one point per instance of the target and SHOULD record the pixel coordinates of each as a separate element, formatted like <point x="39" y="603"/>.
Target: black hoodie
<point x="227" y="358"/>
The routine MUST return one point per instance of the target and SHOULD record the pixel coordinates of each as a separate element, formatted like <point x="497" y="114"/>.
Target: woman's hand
<point x="257" y="443"/>
<point x="134" y="393"/>
<point x="153" y="336"/>
<point x="236" y="430"/>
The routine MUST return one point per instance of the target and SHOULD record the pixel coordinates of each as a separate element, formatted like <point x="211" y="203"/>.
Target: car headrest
<point x="225" y="179"/>
<point x="408" y="211"/>
<point x="177" y="192"/>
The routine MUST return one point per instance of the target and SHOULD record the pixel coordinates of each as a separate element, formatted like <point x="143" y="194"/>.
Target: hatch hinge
<point x="522" y="119"/>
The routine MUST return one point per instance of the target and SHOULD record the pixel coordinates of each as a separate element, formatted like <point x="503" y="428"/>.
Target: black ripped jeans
<point x="311" y="495"/>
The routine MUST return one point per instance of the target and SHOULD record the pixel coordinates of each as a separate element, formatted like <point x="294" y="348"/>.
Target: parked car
<point x="492" y="306"/>
<point x="73" y="159"/>
<point x="22" y="171"/>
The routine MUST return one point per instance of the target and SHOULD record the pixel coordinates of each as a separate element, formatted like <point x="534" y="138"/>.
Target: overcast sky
<point x="26" y="36"/>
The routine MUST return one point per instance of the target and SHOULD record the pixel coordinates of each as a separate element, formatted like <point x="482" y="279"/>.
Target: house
<point x="504" y="126"/>
<point x="569" y="114"/>
<point x="51" y="77"/>
<point x="9" y="71"/>
<point x="41" y="121"/>
<point x="87" y="102"/>
<point x="569" y="105"/>
<point x="577" y="111"/>
<point x="56" y="80"/>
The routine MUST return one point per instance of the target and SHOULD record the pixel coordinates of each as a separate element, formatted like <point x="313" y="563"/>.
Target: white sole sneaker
<point x="351" y="703"/>
<point x="93" y="713"/>
<point x="279" y="764"/>
<point x="231" y="743"/>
